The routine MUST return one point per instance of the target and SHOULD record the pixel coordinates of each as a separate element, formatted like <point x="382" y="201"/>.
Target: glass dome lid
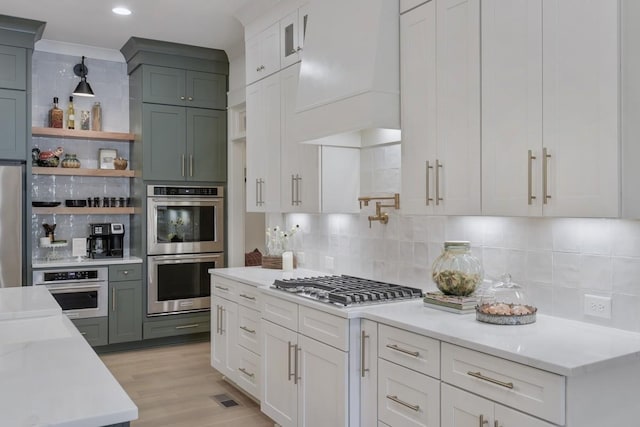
<point x="505" y="302"/>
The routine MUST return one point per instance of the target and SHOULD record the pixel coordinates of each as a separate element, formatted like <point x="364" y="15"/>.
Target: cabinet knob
<point x="182" y="98"/>
<point x="190" y="98"/>
<point x="125" y="272"/>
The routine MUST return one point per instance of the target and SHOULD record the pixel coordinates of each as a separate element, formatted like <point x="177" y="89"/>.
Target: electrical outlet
<point x="300" y="258"/>
<point x="328" y="263"/>
<point x="597" y="306"/>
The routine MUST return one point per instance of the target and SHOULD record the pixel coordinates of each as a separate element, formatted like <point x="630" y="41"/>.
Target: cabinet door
<point x="206" y="145"/>
<point x="418" y="90"/>
<point x="289" y="42"/>
<point x="507" y="417"/>
<point x="94" y="329"/>
<point x="279" y="388"/>
<point x="13" y="122"/>
<point x="164" y="142"/>
<point x="263" y="53"/>
<point x="581" y="108"/>
<point x="458" y="106"/>
<point x="248" y="371"/>
<point x="511" y="107"/>
<point x="249" y="329"/>
<point x="462" y="409"/>
<point x="224" y="322"/>
<point x="125" y="311"/>
<point x="323" y="385"/>
<point x="368" y="373"/>
<point x="299" y="179"/>
<point x="163" y="85"/>
<point x="206" y="90"/>
<point x="13" y="67"/>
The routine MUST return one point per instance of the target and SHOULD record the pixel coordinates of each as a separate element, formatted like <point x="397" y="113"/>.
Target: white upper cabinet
<point x="405" y="5"/>
<point x="292" y="31"/>
<point x="263" y="54"/>
<point x="440" y="72"/>
<point x="550" y="137"/>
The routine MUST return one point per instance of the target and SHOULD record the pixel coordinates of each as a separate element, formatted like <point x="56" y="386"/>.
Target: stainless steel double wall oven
<point x="185" y="238"/>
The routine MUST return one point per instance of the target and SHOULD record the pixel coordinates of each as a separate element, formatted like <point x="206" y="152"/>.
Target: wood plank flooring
<point x="174" y="386"/>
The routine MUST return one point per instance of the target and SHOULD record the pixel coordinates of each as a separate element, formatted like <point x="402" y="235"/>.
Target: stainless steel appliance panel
<point x="11" y="206"/>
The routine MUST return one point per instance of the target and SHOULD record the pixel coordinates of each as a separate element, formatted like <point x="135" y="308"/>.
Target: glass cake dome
<point x="505" y="303"/>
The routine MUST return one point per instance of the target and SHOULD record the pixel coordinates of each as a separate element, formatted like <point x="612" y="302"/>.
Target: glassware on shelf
<point x="456" y="271"/>
<point x="70" y="161"/>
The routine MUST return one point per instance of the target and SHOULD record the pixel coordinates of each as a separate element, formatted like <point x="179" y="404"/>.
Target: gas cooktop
<point x="346" y="291"/>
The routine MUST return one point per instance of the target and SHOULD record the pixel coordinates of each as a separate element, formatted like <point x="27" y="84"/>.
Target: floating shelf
<point x="39" y="170"/>
<point x="83" y="211"/>
<point x="82" y="134"/>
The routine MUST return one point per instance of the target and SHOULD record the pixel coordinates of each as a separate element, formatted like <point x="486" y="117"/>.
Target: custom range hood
<point x="349" y="87"/>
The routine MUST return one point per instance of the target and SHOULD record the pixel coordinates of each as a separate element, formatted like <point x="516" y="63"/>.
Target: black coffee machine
<point x="106" y="240"/>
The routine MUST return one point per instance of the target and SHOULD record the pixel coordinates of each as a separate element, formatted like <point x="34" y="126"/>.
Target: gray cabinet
<point x="13" y="118"/>
<point x="13" y="67"/>
<point x="175" y="325"/>
<point x="95" y="330"/>
<point x="125" y="303"/>
<point x="183" y="143"/>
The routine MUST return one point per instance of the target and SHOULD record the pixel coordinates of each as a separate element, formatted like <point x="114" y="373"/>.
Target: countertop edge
<point x="63" y="263"/>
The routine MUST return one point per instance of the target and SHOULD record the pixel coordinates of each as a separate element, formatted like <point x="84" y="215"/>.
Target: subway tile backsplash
<point x="557" y="260"/>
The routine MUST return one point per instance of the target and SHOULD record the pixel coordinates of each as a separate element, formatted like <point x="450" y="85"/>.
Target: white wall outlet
<point x="328" y="263"/>
<point x="300" y="258"/>
<point x="597" y="306"/>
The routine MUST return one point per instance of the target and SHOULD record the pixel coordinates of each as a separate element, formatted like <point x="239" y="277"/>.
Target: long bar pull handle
<point x="182" y="165"/>
<point x="222" y="310"/>
<point x="249" y="297"/>
<point x="428" y="197"/>
<point x="491" y="380"/>
<point x="113" y="299"/>
<point x="217" y="319"/>
<point x="402" y="350"/>
<point x="438" y="167"/>
<point x="251" y="331"/>
<point x="483" y="421"/>
<point x="193" y="325"/>
<point x="190" y="164"/>
<point x="293" y="200"/>
<point x="298" y="179"/>
<point x="363" y="337"/>
<point x="289" y="362"/>
<point x="403" y="403"/>
<point x="545" y="175"/>
<point x="257" y="192"/>
<point x="244" y="371"/>
<point x="297" y="377"/>
<point x="222" y="288"/>
<point x="530" y="196"/>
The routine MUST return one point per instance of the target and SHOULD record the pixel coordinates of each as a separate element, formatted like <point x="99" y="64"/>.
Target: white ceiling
<point x="208" y="23"/>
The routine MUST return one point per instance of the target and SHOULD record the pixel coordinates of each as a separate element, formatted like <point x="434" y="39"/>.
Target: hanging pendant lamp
<point x="83" y="88"/>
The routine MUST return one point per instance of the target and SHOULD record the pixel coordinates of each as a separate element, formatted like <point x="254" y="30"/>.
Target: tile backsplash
<point x="557" y="260"/>
<point x="53" y="77"/>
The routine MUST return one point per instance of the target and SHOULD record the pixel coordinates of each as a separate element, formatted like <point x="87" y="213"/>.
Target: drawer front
<point x="224" y="288"/>
<point x="174" y="327"/>
<point x="249" y="329"/>
<point x="280" y="312"/>
<point x="248" y="375"/>
<point x="411" y="350"/>
<point x="249" y="296"/>
<point x="324" y="327"/>
<point x="528" y="389"/>
<point x="94" y="329"/>
<point x="125" y="272"/>
<point x="406" y="398"/>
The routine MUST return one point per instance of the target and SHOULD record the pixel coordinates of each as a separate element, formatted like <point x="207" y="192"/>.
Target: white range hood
<point x="349" y="88"/>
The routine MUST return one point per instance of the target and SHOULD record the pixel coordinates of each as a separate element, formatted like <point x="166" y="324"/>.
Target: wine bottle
<point x="56" y="115"/>
<point x="71" y="115"/>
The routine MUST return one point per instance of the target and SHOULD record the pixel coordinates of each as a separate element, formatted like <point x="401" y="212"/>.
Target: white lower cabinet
<point x="223" y="343"/>
<point x="463" y="409"/>
<point x="368" y="373"/>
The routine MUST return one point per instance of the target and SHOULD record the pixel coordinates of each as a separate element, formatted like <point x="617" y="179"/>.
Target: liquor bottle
<point x="56" y="115"/>
<point x="96" y="117"/>
<point x="71" y="115"/>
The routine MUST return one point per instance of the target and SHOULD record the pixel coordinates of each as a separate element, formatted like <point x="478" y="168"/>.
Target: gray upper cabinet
<point x="13" y="113"/>
<point x="206" y="145"/>
<point x="173" y="86"/>
<point x="13" y="67"/>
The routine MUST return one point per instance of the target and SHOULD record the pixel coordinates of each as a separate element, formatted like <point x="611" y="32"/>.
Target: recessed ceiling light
<point x="121" y="11"/>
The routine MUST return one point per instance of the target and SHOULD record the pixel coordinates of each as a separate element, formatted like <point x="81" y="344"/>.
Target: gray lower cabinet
<point x="125" y="303"/>
<point x="184" y="144"/>
<point x="175" y="325"/>
<point x="95" y="330"/>
<point x="13" y="118"/>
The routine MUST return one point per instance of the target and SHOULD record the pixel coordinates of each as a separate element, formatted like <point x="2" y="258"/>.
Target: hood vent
<point x="349" y="76"/>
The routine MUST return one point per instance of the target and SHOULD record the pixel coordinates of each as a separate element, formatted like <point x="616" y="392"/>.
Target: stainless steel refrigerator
<point x="11" y="224"/>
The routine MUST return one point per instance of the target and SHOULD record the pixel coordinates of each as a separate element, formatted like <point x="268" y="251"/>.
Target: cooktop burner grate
<point x="346" y="290"/>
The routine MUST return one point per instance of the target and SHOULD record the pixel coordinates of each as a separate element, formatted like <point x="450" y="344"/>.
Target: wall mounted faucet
<point x="383" y="217"/>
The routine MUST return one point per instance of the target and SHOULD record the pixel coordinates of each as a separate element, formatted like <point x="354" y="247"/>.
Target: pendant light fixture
<point x="83" y="88"/>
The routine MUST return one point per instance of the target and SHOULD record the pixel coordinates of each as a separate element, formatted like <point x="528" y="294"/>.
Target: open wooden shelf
<point x="38" y="170"/>
<point x="82" y="134"/>
<point x="83" y="211"/>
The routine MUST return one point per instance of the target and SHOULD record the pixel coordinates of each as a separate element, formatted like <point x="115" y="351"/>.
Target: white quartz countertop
<point x="558" y="345"/>
<point x="15" y="303"/>
<point x="84" y="261"/>
<point x="49" y="375"/>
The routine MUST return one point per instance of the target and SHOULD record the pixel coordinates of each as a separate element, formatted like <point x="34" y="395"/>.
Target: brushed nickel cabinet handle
<point x="298" y="179"/>
<point x="83" y="333"/>
<point x="545" y="176"/>
<point x="491" y="380"/>
<point x="482" y="421"/>
<point x="257" y="191"/>
<point x="258" y="69"/>
<point x="193" y="325"/>
<point x="249" y="297"/>
<point x="251" y="331"/>
<point x="296" y="366"/>
<point x="244" y="371"/>
<point x="363" y="337"/>
<point x="190" y="98"/>
<point x="191" y="165"/>
<point x="182" y="98"/>
<point x="438" y="167"/>
<point x="293" y="201"/>
<point x="428" y="197"/>
<point x="217" y="319"/>
<point x="113" y="299"/>
<point x="182" y="165"/>
<point x="403" y="403"/>
<point x="402" y="350"/>
<point x="222" y="310"/>
<point x="222" y="288"/>
<point x="530" y="196"/>
<point x="290" y="346"/>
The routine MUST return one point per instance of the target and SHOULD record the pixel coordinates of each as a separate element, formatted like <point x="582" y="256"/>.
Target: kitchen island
<point x="49" y="375"/>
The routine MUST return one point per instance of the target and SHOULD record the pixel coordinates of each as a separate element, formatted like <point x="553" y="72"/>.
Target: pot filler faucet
<point x="383" y="217"/>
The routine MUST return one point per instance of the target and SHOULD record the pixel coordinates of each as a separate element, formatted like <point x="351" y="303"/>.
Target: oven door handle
<point x="60" y="282"/>
<point x="74" y="288"/>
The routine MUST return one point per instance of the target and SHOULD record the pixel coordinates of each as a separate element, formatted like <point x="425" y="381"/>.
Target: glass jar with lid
<point x="70" y="161"/>
<point x="505" y="303"/>
<point x="456" y="271"/>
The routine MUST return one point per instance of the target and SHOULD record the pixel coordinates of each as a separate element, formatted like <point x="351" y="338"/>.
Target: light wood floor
<point x="175" y="385"/>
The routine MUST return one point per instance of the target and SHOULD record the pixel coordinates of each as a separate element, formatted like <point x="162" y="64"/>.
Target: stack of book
<point x="455" y="304"/>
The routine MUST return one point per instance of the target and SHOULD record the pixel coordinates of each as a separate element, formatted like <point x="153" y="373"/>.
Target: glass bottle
<point x="96" y="117"/>
<point x="56" y="115"/>
<point x="71" y="115"/>
<point x="456" y="271"/>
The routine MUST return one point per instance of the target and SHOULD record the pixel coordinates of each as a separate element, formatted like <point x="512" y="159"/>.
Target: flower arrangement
<point x="277" y="239"/>
<point x="178" y="230"/>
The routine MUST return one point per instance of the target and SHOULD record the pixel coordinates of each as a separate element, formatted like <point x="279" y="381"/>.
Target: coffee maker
<point x="106" y="240"/>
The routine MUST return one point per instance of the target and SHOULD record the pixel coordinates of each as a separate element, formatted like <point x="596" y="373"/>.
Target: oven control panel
<point x="162" y="190"/>
<point x="58" y="276"/>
